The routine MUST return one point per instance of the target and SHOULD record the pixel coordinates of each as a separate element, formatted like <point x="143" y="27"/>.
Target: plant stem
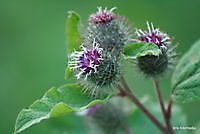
<point x="135" y="100"/>
<point x="159" y="95"/>
<point x="166" y="113"/>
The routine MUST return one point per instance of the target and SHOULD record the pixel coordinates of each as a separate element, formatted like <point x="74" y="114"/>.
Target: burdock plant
<point x="95" y="68"/>
<point x="155" y="65"/>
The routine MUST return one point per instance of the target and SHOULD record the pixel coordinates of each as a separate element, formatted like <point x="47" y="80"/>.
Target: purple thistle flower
<point x="154" y="35"/>
<point x="102" y="16"/>
<point x="87" y="60"/>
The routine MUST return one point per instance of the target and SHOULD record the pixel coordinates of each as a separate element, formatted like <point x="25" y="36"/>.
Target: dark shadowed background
<point x="33" y="55"/>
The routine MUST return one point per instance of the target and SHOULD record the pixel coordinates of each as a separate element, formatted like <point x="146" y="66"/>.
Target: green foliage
<point x="186" y="77"/>
<point x="73" y="37"/>
<point x="67" y="124"/>
<point x="68" y="98"/>
<point x="55" y="102"/>
<point x="136" y="50"/>
<point x="72" y="31"/>
<point x="68" y="73"/>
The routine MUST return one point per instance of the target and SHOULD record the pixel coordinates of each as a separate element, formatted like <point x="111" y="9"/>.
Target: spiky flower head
<point x="152" y="65"/>
<point x="111" y="31"/>
<point x="86" y="61"/>
<point x="102" y="16"/>
<point x="107" y="118"/>
<point x="95" y="68"/>
<point x="154" y="35"/>
<point x="105" y="78"/>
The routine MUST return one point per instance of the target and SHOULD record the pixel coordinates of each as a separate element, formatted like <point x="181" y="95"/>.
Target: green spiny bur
<point x="152" y="65"/>
<point x="108" y="118"/>
<point x="107" y="73"/>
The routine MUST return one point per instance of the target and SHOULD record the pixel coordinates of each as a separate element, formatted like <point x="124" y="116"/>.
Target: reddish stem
<point x="166" y="113"/>
<point x="132" y="97"/>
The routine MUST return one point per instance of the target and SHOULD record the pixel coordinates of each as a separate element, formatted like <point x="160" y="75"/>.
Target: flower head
<point x="154" y="35"/>
<point x="107" y="118"/>
<point x="87" y="60"/>
<point x="102" y="16"/>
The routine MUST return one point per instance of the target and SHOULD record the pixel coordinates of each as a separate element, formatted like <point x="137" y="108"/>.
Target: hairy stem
<point x="166" y="114"/>
<point x="135" y="100"/>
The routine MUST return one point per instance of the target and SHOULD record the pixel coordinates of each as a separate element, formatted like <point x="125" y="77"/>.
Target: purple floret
<point x="153" y="36"/>
<point x="87" y="60"/>
<point x="102" y="16"/>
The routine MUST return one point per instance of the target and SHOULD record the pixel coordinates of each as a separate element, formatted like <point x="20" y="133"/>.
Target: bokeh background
<point x="33" y="55"/>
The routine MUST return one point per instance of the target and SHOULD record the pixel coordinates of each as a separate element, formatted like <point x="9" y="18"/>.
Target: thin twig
<point x="131" y="95"/>
<point x="169" y="107"/>
<point x="160" y="98"/>
<point x="166" y="114"/>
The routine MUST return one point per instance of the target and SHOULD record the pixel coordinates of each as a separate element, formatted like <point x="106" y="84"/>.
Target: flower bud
<point x="152" y="65"/>
<point x="106" y="117"/>
<point x="109" y="30"/>
<point x="94" y="67"/>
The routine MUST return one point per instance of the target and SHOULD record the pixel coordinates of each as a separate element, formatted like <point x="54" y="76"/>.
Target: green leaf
<point x="68" y="73"/>
<point x="73" y="37"/>
<point x="55" y="102"/>
<point x="136" y="50"/>
<point x="70" y="123"/>
<point x="186" y="77"/>
<point x="72" y="31"/>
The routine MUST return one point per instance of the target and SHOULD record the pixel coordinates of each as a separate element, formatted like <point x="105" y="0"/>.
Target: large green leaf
<point x="56" y="102"/>
<point x="73" y="37"/>
<point x="186" y="77"/>
<point x="136" y="50"/>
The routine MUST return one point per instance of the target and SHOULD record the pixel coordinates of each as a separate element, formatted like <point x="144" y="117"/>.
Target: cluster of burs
<point x="97" y="64"/>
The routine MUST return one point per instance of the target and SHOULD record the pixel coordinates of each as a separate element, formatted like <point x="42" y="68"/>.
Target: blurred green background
<point x="33" y="55"/>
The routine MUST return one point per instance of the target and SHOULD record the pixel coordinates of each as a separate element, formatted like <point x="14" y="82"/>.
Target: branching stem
<point x="135" y="100"/>
<point x="166" y="112"/>
<point x="168" y="115"/>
